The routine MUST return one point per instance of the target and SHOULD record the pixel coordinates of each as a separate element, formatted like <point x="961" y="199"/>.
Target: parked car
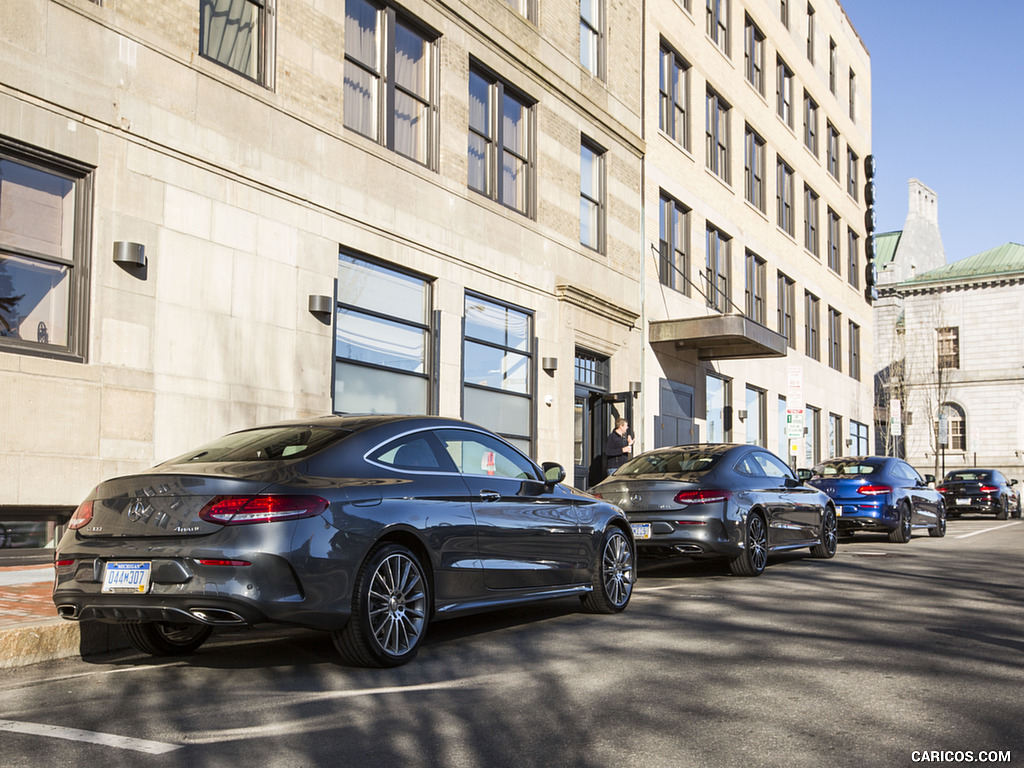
<point x="368" y="527"/>
<point x="980" y="490"/>
<point x="741" y="502"/>
<point x="880" y="493"/>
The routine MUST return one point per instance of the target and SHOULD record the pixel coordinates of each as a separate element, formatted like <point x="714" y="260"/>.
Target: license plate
<point x="839" y="511"/>
<point x="130" y="577"/>
<point x="641" y="530"/>
<point x="962" y="502"/>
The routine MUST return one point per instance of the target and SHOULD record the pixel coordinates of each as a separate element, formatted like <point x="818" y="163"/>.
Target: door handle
<point x="490" y="495"/>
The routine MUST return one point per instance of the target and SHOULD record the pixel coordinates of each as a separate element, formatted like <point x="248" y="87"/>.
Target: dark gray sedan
<point x="369" y="527"/>
<point x="736" y="501"/>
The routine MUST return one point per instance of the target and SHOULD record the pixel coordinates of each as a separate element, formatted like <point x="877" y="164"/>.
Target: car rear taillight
<point x="82" y="516"/>
<point x="224" y="562"/>
<point x="702" y="496"/>
<point x="989" y="489"/>
<point x="245" y="510"/>
<point x="63" y="563"/>
<point x="874" y="490"/>
<point x="941" y="488"/>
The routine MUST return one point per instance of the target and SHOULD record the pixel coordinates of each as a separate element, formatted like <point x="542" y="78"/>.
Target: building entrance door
<point x="674" y="423"/>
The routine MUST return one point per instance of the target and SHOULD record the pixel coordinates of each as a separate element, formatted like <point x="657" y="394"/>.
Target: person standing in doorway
<point x="618" y="446"/>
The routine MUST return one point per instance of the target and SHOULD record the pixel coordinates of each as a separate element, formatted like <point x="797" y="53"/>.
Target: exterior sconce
<point x="741" y="415"/>
<point x="129" y="254"/>
<point x="634" y="388"/>
<point x="321" y="305"/>
<point x="549" y="364"/>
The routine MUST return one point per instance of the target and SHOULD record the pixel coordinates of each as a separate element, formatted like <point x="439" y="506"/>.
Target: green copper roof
<point x="885" y="248"/>
<point x="991" y="263"/>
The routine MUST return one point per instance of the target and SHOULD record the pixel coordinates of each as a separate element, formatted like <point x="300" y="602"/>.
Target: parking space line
<point x="91" y="737"/>
<point x="987" y="530"/>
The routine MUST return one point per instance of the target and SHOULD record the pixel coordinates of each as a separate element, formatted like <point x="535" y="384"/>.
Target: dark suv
<point x="979" y="490"/>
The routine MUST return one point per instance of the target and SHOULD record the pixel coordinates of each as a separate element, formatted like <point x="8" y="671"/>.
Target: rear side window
<point x="412" y="452"/>
<point x="264" y="444"/>
<point x="475" y="453"/>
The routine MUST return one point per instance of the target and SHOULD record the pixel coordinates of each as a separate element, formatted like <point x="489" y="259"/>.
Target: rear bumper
<point x="860" y="516"/>
<point x="712" y="538"/>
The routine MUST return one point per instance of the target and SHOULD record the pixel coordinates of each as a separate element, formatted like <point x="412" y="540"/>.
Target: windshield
<point x="847" y="468"/>
<point x="669" y="463"/>
<point x="265" y="444"/>
<point x="969" y="476"/>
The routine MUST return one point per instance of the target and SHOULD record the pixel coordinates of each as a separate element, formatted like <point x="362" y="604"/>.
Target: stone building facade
<point x="217" y="213"/>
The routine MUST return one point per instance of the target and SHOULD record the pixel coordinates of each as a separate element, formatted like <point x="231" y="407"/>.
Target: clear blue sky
<point x="947" y="102"/>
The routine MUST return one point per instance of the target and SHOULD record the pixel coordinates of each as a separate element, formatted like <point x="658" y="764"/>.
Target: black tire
<point x="902" y="532"/>
<point x="1016" y="512"/>
<point x="390" y="610"/>
<point x="826" y="547"/>
<point x="614" y="574"/>
<point x="939" y="529"/>
<point x="165" y="638"/>
<point x="754" y="557"/>
<point x="1002" y="513"/>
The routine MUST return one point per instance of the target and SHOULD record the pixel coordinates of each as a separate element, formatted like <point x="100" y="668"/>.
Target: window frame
<point x="78" y="259"/>
<point x="595" y="199"/>
<point x="784" y="191"/>
<point x="833" y="244"/>
<point x="852" y="185"/>
<point x="835" y="339"/>
<point x="756" y="289"/>
<point x="812" y="236"/>
<point x="498" y="93"/>
<point x="755" y="148"/>
<point x="718" y="276"/>
<point x="854" y="340"/>
<point x="811" y="124"/>
<point x="671" y="252"/>
<point x="853" y="257"/>
<point x="717" y="122"/>
<point x="785" y="290"/>
<point x="717" y="27"/>
<point x="674" y="68"/>
<point x="263" y="73"/>
<point x="753" y="54"/>
<point x="596" y="34"/>
<point x="947" y="348"/>
<point x="387" y="89"/>
<point x="832" y="150"/>
<point x="784" y="91"/>
<point x="812" y="326"/>
<point x="810" y="33"/>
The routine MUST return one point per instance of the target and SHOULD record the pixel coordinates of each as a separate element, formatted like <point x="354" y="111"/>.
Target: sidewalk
<point x="30" y="630"/>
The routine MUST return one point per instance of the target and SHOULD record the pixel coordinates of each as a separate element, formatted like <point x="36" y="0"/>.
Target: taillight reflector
<point x="246" y="510"/>
<point x="874" y="490"/>
<point x="82" y="516"/>
<point x="224" y="562"/>
<point x="702" y="496"/>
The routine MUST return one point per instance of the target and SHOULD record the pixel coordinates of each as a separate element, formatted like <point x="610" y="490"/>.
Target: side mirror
<point x="929" y="479"/>
<point x="804" y="475"/>
<point x="1013" y="481"/>
<point x="554" y="473"/>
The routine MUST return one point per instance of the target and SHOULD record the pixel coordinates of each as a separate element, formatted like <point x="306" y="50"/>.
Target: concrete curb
<point x="58" y="639"/>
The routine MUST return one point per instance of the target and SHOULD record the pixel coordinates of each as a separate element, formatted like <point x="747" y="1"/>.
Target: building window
<point x="673" y="259"/>
<point x="786" y="298"/>
<point x="45" y="234"/>
<point x="784" y="13"/>
<point x="717" y="128"/>
<point x="810" y="124"/>
<point x="851" y="174"/>
<point x="382" y="339"/>
<point x="716" y="278"/>
<point x="948" y="348"/>
<point x="753" y="51"/>
<point x="835" y="435"/>
<point x="783" y="427"/>
<point x="784" y="193"/>
<point x="674" y="96"/>
<point x="859" y="439"/>
<point x="756" y="288"/>
<point x="389" y="80"/>
<point x="833" y="242"/>
<point x="811" y="220"/>
<point x="854" y="351"/>
<point x="835" y="339"/>
<point x="237" y="34"/>
<point x="853" y="249"/>
<point x="497" y="364"/>
<point x="755" y="421"/>
<point x="832" y="57"/>
<point x="718" y="23"/>
<point x="753" y="168"/>
<point x="784" y="91"/>
<point x="853" y="96"/>
<point x="719" y="409"/>
<point x="812" y="435"/>
<point x="592" y="195"/>
<point x="812" y="328"/>
<point x="833" y="151"/>
<point x="956" y="422"/>
<point x="525" y="8"/>
<point x="500" y="142"/>
<point x="810" y="33"/>
<point x="592" y="35"/>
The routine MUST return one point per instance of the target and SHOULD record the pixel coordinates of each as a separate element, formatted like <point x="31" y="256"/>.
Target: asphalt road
<point x="888" y="655"/>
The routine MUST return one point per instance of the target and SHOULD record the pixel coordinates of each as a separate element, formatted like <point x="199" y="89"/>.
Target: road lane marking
<point x="91" y="737"/>
<point x="986" y="530"/>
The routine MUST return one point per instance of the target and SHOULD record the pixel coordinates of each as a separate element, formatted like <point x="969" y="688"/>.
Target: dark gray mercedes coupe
<point x="368" y="527"/>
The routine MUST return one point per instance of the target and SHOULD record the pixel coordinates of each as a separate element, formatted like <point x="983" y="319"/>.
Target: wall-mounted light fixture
<point x="634" y="388"/>
<point x="549" y="364"/>
<point x="320" y="305"/>
<point x="129" y="254"/>
<point x="741" y="415"/>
